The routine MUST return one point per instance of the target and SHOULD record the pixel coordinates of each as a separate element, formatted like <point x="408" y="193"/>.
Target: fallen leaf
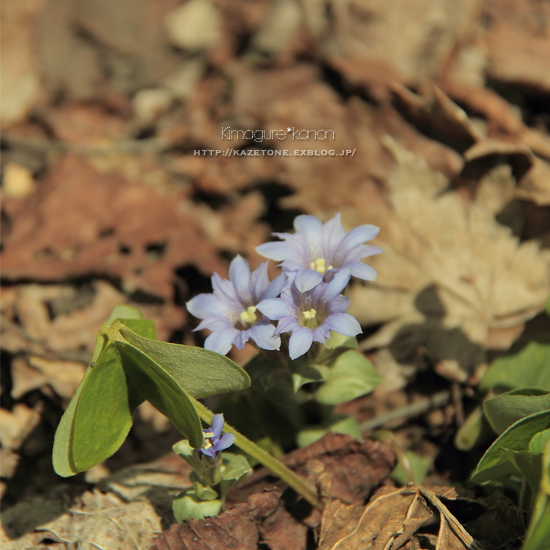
<point x="518" y="42"/>
<point x="348" y="469"/>
<point x="96" y="520"/>
<point x="114" y="226"/>
<point x="19" y="75"/>
<point x="17" y="424"/>
<point x="449" y="265"/>
<point x="414" y="40"/>
<point x="391" y="519"/>
<point x="236" y="528"/>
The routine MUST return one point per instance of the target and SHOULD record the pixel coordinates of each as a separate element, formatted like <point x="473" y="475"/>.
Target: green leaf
<point x="538" y="441"/>
<point x="502" y="411"/>
<point x="235" y="468"/>
<point x="189" y="506"/>
<point x="199" y="371"/>
<point x="346" y="425"/>
<point x="159" y="388"/>
<point x="494" y="463"/>
<point x="62" y="456"/>
<point x="98" y="423"/>
<point x="350" y="376"/>
<point x="128" y="315"/>
<point x="123" y="311"/>
<point x="528" y="368"/>
<point x="202" y="490"/>
<point x="475" y="431"/>
<point x="143" y="327"/>
<point x="305" y="373"/>
<point x="528" y="464"/>
<point x="538" y="532"/>
<point x="338" y="340"/>
<point x="419" y="465"/>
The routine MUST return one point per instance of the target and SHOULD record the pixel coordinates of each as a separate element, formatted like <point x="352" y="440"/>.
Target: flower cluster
<point x="318" y="261"/>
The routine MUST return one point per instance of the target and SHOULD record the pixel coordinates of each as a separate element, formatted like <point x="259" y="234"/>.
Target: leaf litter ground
<point x="104" y="201"/>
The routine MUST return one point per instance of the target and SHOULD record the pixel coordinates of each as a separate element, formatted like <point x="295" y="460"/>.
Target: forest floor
<point x="123" y="183"/>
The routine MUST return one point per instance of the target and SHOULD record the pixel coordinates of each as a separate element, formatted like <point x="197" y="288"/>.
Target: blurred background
<point x="110" y="194"/>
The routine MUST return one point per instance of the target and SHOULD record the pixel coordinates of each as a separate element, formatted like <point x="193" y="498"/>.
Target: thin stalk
<point x="270" y="462"/>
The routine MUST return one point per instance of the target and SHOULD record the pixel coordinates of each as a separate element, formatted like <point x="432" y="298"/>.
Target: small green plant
<point x="517" y="408"/>
<point x="299" y="324"/>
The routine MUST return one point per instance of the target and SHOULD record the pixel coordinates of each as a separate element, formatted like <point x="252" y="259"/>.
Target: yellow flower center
<point x="249" y="316"/>
<point x="320" y="265"/>
<point x="309" y="319"/>
<point x="309" y="314"/>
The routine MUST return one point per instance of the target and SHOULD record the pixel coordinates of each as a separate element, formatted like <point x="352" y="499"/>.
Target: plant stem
<point x="270" y="462"/>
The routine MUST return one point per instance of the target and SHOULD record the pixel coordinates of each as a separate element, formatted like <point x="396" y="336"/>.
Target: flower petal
<point x="259" y="281"/>
<point x="226" y="441"/>
<point x="286" y="325"/>
<point x="339" y="281"/>
<point x="275" y="287"/>
<point x="344" y="323"/>
<point x="307" y="279"/>
<point x="208" y="452"/>
<point x="241" y="338"/>
<point x="263" y="335"/>
<point x="215" y="323"/>
<point x="221" y="340"/>
<point x="278" y="252"/>
<point x="359" y="235"/>
<point x="205" y="305"/>
<point x="362" y="271"/>
<point x="217" y="425"/>
<point x="239" y="274"/>
<point x="310" y="226"/>
<point x="333" y="233"/>
<point x="224" y="291"/>
<point x="275" y="308"/>
<point x="300" y="342"/>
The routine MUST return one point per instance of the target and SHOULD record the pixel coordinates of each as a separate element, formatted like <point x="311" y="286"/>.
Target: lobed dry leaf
<point x="517" y="35"/>
<point x="391" y="519"/>
<point x="29" y="328"/>
<point x="116" y="228"/>
<point x="452" y="279"/>
<point x="403" y="41"/>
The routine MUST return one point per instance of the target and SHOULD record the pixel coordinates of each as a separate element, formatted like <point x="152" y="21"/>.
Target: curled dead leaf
<point x="391" y="519"/>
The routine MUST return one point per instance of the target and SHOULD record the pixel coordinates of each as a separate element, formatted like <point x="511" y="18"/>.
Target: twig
<point x="414" y="409"/>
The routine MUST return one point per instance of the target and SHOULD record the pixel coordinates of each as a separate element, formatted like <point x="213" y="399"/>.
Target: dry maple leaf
<point x="81" y="222"/>
<point x="448" y="266"/>
<point x="390" y="520"/>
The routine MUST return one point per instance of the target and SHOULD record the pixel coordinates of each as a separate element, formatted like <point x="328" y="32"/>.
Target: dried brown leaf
<point x="17" y="424"/>
<point x="450" y="262"/>
<point x="97" y="520"/>
<point x="113" y="225"/>
<point x="391" y="519"/>
<point x="349" y="470"/>
<point x="518" y="42"/>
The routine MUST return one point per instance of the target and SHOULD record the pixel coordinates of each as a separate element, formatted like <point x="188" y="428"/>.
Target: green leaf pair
<point x="348" y="376"/>
<point x="528" y="367"/>
<point x="517" y="449"/>
<point x="128" y="366"/>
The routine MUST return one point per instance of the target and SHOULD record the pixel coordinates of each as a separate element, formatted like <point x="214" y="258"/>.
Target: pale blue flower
<point x="317" y="250"/>
<point x="230" y="311"/>
<point x="312" y="314"/>
<point x="214" y="442"/>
